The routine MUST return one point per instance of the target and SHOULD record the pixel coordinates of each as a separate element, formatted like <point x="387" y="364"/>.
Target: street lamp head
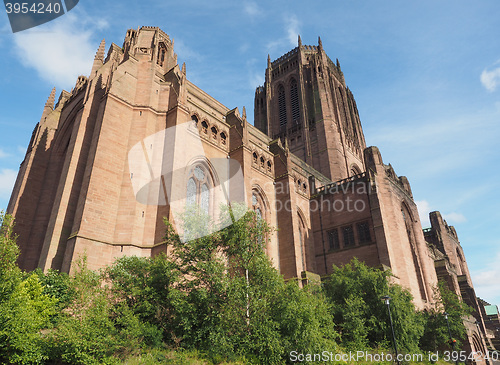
<point x="386" y="299"/>
<point x="445" y="315"/>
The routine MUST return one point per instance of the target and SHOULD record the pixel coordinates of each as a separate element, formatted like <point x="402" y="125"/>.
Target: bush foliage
<point x="216" y="297"/>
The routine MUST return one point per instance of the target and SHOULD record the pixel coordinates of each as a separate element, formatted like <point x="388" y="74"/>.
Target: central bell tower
<point x="305" y="102"/>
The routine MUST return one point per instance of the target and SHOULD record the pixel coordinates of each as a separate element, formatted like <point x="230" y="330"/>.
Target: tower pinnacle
<point x="300" y="41"/>
<point x="98" y="59"/>
<point x="51" y="99"/>
<point x="100" y="51"/>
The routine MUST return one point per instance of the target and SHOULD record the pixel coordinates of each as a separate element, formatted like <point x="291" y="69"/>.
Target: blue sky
<point x="426" y="77"/>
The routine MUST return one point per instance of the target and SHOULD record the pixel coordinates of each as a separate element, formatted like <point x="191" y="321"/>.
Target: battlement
<point x="310" y="48"/>
<point x="158" y="29"/>
<point x="285" y="57"/>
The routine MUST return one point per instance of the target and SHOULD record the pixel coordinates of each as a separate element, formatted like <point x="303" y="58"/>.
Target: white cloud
<point x="424" y="209"/>
<point x="7" y="180"/>
<point x="186" y="53"/>
<point x="272" y="45"/>
<point x="491" y="78"/>
<point x="61" y="50"/>
<point x="454" y="217"/>
<point x="486" y="282"/>
<point x="3" y="154"/>
<point x="292" y="29"/>
<point x="255" y="79"/>
<point x="252" y="9"/>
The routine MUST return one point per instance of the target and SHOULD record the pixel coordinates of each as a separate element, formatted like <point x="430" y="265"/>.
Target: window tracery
<point x="294" y="98"/>
<point x="259" y="207"/>
<point x="198" y="188"/>
<point x="282" y="106"/>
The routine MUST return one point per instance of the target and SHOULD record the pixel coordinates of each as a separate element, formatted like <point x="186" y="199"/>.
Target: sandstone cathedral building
<point x="305" y="167"/>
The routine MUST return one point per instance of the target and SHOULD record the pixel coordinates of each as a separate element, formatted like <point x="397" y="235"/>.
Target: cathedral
<point x="136" y="141"/>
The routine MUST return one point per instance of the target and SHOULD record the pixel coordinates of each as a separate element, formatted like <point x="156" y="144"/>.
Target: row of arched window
<point x="210" y="131"/>
<point x="261" y="162"/>
<point x="284" y="68"/>
<point x="301" y="186"/>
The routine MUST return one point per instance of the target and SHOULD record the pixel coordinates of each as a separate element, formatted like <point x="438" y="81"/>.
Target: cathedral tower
<point x="305" y="102"/>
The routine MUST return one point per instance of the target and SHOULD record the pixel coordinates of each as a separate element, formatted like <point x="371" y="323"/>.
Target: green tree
<point x="10" y="274"/>
<point x="237" y="305"/>
<point x="56" y="284"/>
<point x="24" y="309"/>
<point x="96" y="327"/>
<point x="355" y="291"/>
<point x="147" y="285"/>
<point x="436" y="336"/>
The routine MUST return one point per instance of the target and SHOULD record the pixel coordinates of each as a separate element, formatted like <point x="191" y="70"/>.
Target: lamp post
<point x="452" y="341"/>
<point x="387" y="300"/>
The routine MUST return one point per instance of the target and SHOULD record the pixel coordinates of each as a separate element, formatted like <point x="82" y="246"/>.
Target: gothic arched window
<point x="162" y="50"/>
<point x="355" y="170"/>
<point x="282" y="105"/>
<point x="294" y="98"/>
<point x="259" y="207"/>
<point x="194" y="120"/>
<point x="214" y="132"/>
<point x="198" y="188"/>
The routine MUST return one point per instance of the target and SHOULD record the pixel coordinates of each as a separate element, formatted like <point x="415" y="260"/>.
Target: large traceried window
<point x="259" y="207"/>
<point x="282" y="106"/>
<point x="294" y="98"/>
<point x="162" y="51"/>
<point x="198" y="188"/>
